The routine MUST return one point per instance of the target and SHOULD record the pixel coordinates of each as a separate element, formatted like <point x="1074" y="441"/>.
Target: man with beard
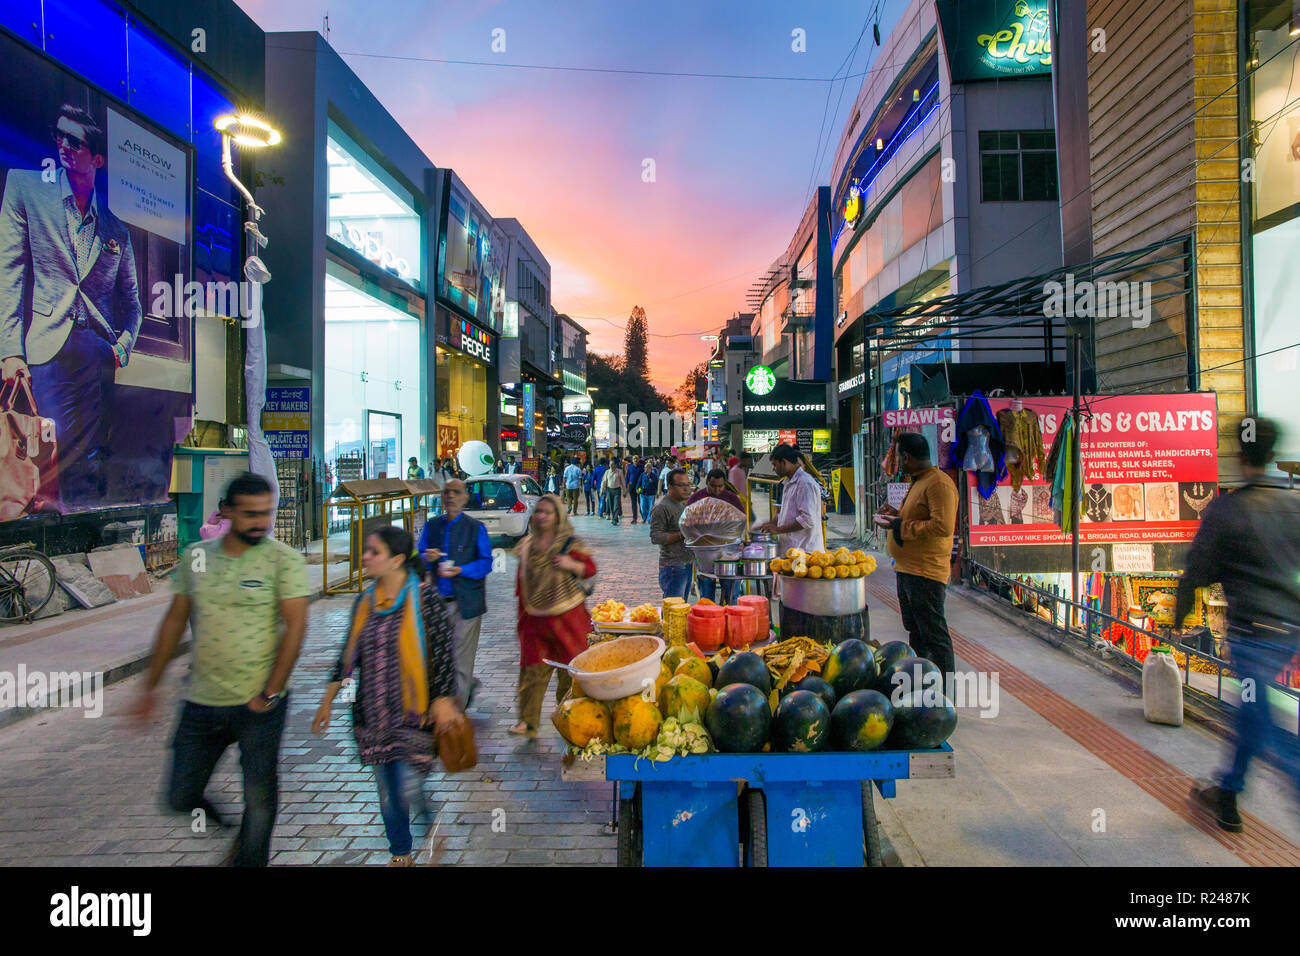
<point x="244" y="595"/>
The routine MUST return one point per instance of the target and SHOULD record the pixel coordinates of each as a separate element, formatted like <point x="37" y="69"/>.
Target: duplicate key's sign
<point x="286" y="422"/>
<point x="1150" y="465"/>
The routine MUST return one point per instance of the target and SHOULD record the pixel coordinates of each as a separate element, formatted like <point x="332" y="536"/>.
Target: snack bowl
<point x="641" y="654"/>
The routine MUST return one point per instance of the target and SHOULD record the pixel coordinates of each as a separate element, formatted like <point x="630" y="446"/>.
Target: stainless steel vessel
<point x="824" y="598"/>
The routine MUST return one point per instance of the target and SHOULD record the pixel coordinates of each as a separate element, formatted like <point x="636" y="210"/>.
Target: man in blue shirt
<point x="572" y="485"/>
<point x="634" y="470"/>
<point x="457" y="548"/>
<point x="596" y="478"/>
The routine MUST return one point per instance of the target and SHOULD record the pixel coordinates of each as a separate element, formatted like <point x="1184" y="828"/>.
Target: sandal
<point x="524" y="730"/>
<point x="402" y="861"/>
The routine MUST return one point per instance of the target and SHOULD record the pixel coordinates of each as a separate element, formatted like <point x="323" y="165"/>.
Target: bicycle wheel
<point x="27" y="582"/>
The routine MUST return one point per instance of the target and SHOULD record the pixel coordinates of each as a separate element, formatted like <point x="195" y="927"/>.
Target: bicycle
<point x="27" y="582"/>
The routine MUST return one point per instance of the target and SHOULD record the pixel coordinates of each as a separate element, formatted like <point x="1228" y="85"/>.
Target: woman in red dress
<point x="553" y="618"/>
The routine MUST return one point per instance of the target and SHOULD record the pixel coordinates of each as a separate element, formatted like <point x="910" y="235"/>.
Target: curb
<point x="117" y="672"/>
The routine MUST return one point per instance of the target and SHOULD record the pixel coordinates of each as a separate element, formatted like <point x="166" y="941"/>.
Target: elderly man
<point x="457" y="547"/>
<point x="675" y="561"/>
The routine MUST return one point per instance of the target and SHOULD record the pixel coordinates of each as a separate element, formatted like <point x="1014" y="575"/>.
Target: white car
<point x="504" y="503"/>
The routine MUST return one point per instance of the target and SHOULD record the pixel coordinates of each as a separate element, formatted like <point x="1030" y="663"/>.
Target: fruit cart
<point x="756" y="809"/>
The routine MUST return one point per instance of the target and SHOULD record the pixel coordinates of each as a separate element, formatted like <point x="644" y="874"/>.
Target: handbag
<point x="456" y="747"/>
<point x="587" y="584"/>
<point x="29" y="477"/>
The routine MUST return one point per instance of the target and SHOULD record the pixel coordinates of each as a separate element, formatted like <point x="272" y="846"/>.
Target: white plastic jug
<point x="1162" y="688"/>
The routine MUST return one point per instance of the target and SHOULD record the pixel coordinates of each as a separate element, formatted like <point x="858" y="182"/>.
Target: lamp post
<point x="254" y="133"/>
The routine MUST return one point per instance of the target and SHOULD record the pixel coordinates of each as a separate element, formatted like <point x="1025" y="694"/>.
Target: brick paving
<point x="78" y="792"/>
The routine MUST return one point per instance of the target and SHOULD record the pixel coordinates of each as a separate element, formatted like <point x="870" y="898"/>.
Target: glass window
<point x="1018" y="166"/>
<point x="24" y="18"/>
<point x="489" y="495"/>
<point x="370" y="213"/>
<point x="531" y="487"/>
<point x="208" y="104"/>
<point x="1274" y="59"/>
<point x="160" y="82"/>
<point x="89" y="36"/>
<point x="373" y="382"/>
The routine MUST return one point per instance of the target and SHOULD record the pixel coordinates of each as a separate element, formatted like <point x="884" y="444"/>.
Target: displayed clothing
<point x="1098" y="503"/>
<point x="991" y="511"/>
<point x="1061" y="473"/>
<point x="1019" y="498"/>
<point x="1042" y="508"/>
<point x="1024" y="444"/>
<point x="980" y="448"/>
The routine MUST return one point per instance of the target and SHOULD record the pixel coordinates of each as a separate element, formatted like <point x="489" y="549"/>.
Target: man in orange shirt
<point x="920" y="542"/>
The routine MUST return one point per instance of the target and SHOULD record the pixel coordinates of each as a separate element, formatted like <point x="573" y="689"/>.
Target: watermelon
<point x="917" y="673"/>
<point x="891" y="652"/>
<point x="861" y="721"/>
<point x="815" y="684"/>
<point x="745" y="668"/>
<point x="739" y="719"/>
<point x="801" y="724"/>
<point x="851" y="666"/>
<point x="922" y="720"/>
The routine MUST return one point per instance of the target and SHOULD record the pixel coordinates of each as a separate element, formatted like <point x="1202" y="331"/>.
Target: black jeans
<point x="202" y="736"/>
<point x="920" y="602"/>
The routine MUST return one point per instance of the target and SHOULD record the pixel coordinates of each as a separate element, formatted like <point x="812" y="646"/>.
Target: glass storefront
<point x="370" y="213"/>
<point x="1273" y="56"/>
<point x="374" y="415"/>
<point x="462" y="402"/>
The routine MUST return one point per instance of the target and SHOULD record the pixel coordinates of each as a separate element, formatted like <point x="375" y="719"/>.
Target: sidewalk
<point x="114" y="641"/>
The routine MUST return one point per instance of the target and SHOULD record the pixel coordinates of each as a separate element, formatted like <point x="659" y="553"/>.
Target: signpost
<point x="286" y="421"/>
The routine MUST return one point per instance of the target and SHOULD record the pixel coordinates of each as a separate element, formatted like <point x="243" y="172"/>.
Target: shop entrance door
<point x="383" y="444"/>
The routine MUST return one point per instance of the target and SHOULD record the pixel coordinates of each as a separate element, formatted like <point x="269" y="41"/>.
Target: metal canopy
<point x="1021" y="302"/>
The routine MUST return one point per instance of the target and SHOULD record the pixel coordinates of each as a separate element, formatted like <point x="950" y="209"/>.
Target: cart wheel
<point x="756" y="832"/>
<point x="629" y="830"/>
<point x="870" y="828"/>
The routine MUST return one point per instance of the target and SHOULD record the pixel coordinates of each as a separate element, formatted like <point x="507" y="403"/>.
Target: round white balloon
<point x="475" y="458"/>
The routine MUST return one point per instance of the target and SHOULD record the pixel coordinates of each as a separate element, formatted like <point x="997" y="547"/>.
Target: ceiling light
<point x="880" y="143"/>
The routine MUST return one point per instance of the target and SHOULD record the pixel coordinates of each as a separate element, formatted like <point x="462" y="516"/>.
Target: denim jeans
<point x="1259" y="659"/>
<point x="202" y="736"/>
<point x="591" y="500"/>
<point x="647" y="502"/>
<point x="675" y="580"/>
<point x="396" y="782"/>
<point x="920" y="604"/>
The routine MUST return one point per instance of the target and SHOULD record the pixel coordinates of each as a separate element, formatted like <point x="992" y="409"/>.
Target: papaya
<point x="697" y="668"/>
<point x="686" y="699"/>
<point x="580" y="720"/>
<point x="674" y="656"/>
<point x="636" y="722"/>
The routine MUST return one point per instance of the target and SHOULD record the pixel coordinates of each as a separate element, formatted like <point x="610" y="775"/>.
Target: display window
<point x="462" y="396"/>
<point x="373" y="380"/>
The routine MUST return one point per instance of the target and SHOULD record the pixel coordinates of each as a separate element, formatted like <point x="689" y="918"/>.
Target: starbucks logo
<point x="760" y="380"/>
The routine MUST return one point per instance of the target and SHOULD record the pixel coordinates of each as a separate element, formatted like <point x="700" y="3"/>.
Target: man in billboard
<point x="69" y="300"/>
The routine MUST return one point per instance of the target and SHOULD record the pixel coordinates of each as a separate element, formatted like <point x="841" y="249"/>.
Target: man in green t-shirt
<point x="245" y="597"/>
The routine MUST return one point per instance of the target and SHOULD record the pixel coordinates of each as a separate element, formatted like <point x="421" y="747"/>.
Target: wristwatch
<point x="270" y="699"/>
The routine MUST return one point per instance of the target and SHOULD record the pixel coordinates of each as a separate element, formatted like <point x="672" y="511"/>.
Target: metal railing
<point x="1088" y="624"/>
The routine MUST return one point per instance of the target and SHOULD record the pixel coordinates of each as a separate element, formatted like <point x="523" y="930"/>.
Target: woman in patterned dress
<point x="401" y="639"/>
<point x="553" y="618"/>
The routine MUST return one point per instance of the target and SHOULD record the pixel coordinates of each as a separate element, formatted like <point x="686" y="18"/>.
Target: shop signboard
<point x="937" y="424"/>
<point x="996" y="39"/>
<point x="601" y="431"/>
<point x="448" y="440"/>
<point x="1150" y="467"/>
<point x="758" y="440"/>
<point x="529" y="466"/>
<point x="528" y="417"/>
<point x="109" y="442"/>
<point x="350" y="467"/>
<point x="781" y="403"/>
<point x="286" y="421"/>
<point x="821" y="439"/>
<point x="787" y="436"/>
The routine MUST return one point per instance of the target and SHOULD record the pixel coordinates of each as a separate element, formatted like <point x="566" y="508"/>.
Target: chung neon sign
<point x="996" y="39"/>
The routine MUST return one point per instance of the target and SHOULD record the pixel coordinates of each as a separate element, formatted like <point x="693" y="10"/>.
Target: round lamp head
<point x="247" y="130"/>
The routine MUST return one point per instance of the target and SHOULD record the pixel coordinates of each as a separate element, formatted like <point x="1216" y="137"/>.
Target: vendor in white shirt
<point x="799" y="522"/>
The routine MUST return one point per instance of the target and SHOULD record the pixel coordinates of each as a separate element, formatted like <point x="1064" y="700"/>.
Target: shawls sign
<point x="1150" y="466"/>
<point x="996" y="39"/>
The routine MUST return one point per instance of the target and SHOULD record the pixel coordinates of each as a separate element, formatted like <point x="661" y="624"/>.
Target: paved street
<point x="1067" y="743"/>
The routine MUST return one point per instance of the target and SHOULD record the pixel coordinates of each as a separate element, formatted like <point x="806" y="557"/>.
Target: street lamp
<point x="253" y="133"/>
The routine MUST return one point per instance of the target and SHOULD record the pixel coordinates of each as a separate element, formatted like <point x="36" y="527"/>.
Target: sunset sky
<point x="563" y="152"/>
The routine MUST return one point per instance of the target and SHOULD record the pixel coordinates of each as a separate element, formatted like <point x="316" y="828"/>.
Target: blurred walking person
<point x="612" y="486"/>
<point x="553" y="618"/>
<point x="1249" y="541"/>
<point x="401" y="639"/>
<point x="572" y="485"/>
<point x="244" y="595"/>
<point x="589" y="492"/>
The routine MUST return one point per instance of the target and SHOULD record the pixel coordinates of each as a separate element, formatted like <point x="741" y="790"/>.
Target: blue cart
<point x="757" y="809"/>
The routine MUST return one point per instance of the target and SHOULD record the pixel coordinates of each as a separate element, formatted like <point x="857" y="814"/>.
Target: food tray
<point x="627" y="627"/>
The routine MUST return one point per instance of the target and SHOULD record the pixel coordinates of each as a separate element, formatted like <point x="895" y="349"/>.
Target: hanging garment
<point x="1042" y="508"/>
<point x="977" y="427"/>
<point x="1019" y="498"/>
<point x="889" y="467"/>
<point x="1099" y="503"/>
<point x="1024" y="441"/>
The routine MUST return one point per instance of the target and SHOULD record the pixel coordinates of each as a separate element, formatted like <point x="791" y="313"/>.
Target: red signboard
<point x="1150" y="465"/>
<point x="529" y="466"/>
<point x="787" y="436"/>
<point x="448" y="440"/>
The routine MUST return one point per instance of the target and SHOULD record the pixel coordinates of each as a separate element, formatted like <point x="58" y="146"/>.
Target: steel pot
<point x="824" y="598"/>
<point x="760" y="550"/>
<point x="755" y="567"/>
<point x="727" y="567"/>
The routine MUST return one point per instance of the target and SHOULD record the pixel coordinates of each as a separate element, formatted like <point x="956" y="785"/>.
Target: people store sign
<point x="1150" y="466"/>
<point x="996" y="39"/>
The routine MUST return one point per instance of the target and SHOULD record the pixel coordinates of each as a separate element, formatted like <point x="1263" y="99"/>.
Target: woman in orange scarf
<point x="553" y="618"/>
<point x="401" y="638"/>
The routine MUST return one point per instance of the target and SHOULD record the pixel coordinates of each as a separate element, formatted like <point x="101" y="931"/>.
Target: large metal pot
<point x="824" y="598"/>
<point x="727" y="567"/>
<point x="759" y="551"/>
<point x="705" y="556"/>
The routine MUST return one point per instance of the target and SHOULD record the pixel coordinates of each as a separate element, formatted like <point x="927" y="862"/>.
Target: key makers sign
<point x="996" y="39"/>
<point x="785" y="404"/>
